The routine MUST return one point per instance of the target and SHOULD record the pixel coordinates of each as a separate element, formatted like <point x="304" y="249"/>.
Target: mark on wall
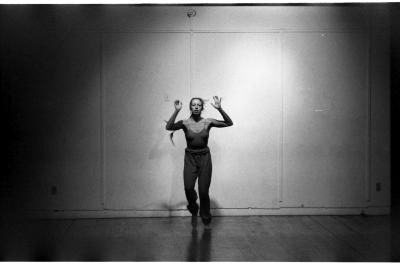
<point x="166" y="97"/>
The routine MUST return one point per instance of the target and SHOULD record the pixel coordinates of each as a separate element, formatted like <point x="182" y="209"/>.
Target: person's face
<point x="196" y="106"/>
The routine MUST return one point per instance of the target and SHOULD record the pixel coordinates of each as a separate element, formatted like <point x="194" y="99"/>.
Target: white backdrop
<point x="307" y="88"/>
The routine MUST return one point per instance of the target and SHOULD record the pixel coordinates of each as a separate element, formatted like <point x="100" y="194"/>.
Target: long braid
<point x="171" y="137"/>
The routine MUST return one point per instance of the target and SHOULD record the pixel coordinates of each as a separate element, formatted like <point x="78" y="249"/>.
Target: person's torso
<point x="196" y="133"/>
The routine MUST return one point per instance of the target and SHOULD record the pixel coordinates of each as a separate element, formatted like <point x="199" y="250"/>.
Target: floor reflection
<point x="250" y="238"/>
<point x="199" y="249"/>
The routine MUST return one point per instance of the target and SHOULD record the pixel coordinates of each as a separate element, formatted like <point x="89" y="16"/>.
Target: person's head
<point x="196" y="105"/>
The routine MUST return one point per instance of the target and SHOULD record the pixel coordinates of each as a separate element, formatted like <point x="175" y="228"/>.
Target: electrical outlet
<point x="53" y="190"/>
<point x="378" y="186"/>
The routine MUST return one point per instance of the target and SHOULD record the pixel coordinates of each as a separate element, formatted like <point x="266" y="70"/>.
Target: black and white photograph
<point x="200" y="132"/>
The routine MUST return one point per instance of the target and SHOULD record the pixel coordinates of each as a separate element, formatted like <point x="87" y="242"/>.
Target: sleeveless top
<point x="196" y="133"/>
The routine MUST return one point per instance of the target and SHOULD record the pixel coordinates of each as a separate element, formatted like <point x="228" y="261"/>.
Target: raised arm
<point x="218" y="123"/>
<point x="171" y="124"/>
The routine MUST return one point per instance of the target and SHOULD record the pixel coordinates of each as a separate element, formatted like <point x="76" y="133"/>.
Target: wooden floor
<point x="254" y="238"/>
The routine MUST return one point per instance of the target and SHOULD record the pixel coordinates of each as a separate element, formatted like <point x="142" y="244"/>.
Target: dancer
<point x="197" y="154"/>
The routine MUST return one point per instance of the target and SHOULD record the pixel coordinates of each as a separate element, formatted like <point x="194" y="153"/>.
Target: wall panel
<point x="325" y="119"/>
<point x="142" y="75"/>
<point x="380" y="118"/>
<point x="244" y="69"/>
<point x="264" y="18"/>
<point x="53" y="82"/>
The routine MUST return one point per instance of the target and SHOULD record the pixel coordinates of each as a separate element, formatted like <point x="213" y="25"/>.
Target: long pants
<point x="198" y="165"/>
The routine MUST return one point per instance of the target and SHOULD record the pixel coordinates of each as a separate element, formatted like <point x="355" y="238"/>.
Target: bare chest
<point x="196" y="127"/>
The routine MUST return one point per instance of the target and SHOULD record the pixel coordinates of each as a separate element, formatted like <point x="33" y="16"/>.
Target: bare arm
<point x="171" y="125"/>
<point x="227" y="120"/>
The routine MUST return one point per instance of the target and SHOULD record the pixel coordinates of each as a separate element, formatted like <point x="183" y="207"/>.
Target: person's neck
<point x="196" y="118"/>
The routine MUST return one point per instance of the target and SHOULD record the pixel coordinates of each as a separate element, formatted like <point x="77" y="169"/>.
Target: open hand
<point x="178" y="105"/>
<point x="217" y="102"/>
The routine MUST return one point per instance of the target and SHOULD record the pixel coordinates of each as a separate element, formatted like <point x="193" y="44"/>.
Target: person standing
<point x="197" y="161"/>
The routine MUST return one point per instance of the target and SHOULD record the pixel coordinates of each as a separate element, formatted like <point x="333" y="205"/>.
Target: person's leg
<point x="190" y="172"/>
<point x="204" y="185"/>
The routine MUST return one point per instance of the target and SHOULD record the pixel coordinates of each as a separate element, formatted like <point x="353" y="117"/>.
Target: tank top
<point x="196" y="133"/>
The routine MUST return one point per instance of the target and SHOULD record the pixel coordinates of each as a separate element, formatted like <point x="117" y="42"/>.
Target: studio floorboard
<point x="248" y="238"/>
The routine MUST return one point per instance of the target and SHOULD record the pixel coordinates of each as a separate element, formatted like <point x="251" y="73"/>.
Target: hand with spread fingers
<point x="178" y="105"/>
<point x="217" y="102"/>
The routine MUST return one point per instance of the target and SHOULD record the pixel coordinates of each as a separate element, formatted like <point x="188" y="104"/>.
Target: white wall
<point x="142" y="169"/>
<point x="325" y="119"/>
<point x="306" y="86"/>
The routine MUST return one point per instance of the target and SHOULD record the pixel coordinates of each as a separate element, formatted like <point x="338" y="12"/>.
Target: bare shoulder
<point x="210" y="121"/>
<point x="186" y="122"/>
<point x="217" y="123"/>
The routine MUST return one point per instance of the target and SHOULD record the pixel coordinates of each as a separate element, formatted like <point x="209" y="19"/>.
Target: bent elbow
<point x="168" y="128"/>
<point x="230" y="124"/>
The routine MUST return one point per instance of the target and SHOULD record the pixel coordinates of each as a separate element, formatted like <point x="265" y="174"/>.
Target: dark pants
<point x="198" y="165"/>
